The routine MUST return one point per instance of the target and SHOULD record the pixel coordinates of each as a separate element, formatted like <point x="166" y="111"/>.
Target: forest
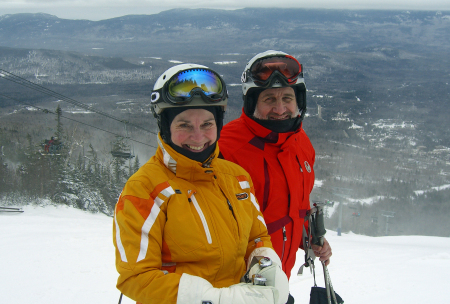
<point x="49" y="170"/>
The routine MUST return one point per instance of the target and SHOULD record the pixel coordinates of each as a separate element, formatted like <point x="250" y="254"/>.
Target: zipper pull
<point x="190" y="193"/>
<point x="284" y="234"/>
<point x="258" y="243"/>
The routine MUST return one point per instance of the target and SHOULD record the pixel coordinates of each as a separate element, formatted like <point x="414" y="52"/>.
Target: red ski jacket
<point x="281" y="167"/>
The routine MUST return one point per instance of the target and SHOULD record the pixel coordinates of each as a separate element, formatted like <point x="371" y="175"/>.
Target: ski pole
<point x="317" y="233"/>
<point x="328" y="285"/>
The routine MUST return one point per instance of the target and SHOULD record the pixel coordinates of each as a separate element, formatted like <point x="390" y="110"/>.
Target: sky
<point x="59" y="254"/>
<point x="105" y="9"/>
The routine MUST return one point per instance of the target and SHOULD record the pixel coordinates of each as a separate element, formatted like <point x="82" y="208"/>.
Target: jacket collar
<point x="266" y="135"/>
<point x="184" y="167"/>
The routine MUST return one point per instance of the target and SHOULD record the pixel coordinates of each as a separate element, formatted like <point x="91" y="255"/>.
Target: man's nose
<point x="279" y="107"/>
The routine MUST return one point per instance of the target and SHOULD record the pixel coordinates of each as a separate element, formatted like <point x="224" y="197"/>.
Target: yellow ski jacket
<point x="176" y="216"/>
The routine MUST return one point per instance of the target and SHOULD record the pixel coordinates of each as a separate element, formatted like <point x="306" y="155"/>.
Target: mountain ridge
<point x="219" y="30"/>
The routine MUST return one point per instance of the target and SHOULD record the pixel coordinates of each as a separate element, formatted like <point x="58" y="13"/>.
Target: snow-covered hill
<point x="64" y="255"/>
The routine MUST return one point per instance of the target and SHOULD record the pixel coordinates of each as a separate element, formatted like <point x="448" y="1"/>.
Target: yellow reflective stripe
<point x="244" y="185"/>
<point x="255" y="203"/>
<point x="202" y="217"/>
<point x="262" y="220"/>
<point x="120" y="247"/>
<point x="148" y="224"/>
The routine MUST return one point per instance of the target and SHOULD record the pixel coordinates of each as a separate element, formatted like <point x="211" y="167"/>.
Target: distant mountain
<point x="206" y="31"/>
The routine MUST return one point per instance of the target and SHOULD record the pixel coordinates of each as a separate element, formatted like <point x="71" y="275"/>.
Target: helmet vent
<point x="154" y="98"/>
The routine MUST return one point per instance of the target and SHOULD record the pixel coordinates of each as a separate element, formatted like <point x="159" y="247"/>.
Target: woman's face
<point x="194" y="130"/>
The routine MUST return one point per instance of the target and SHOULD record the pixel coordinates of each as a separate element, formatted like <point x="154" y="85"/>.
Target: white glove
<point x="196" y="290"/>
<point x="273" y="274"/>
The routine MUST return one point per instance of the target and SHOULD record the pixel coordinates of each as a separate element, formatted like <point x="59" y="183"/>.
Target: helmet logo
<point x="277" y="84"/>
<point x="244" y="77"/>
<point x="307" y="167"/>
<point x="154" y="98"/>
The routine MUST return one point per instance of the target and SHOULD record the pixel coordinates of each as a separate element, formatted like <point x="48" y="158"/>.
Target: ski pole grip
<point x="318" y="230"/>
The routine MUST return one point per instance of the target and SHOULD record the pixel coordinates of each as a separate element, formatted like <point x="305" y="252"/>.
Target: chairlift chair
<point x="122" y="154"/>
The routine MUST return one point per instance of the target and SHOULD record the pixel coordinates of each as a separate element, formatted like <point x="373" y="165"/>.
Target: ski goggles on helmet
<point x="264" y="70"/>
<point x="181" y="88"/>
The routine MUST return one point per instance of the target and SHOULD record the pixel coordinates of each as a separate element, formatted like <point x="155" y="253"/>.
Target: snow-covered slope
<point x="64" y="255"/>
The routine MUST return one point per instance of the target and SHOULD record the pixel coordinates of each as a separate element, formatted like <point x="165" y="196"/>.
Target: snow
<point x="64" y="255"/>
<point x="225" y="62"/>
<point x="318" y="183"/>
<point x="438" y="188"/>
<point x="389" y="124"/>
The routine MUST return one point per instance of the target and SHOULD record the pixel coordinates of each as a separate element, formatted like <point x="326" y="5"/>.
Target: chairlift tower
<point x="387" y="214"/>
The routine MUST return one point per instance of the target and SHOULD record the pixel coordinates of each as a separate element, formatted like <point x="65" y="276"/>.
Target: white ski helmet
<point x="187" y="86"/>
<point x="272" y="69"/>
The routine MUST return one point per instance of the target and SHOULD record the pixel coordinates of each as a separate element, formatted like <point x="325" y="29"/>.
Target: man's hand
<point x="323" y="252"/>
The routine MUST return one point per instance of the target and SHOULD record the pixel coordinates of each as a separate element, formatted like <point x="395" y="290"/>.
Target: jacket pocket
<point x="185" y="228"/>
<point x="203" y="219"/>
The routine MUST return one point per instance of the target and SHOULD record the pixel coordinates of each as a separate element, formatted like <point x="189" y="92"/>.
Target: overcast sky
<point x="104" y="9"/>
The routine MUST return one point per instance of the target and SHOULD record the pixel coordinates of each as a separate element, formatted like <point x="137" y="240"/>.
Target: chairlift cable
<point x="23" y="82"/>
<point x="54" y="113"/>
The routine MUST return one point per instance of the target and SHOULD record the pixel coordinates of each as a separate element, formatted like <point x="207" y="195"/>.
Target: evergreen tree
<point x="136" y="164"/>
<point x="119" y="162"/>
<point x="59" y="127"/>
<point x="5" y="177"/>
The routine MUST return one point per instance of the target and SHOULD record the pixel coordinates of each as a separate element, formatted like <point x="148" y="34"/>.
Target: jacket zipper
<point x="284" y="242"/>
<point x="203" y="219"/>
<point x="231" y="208"/>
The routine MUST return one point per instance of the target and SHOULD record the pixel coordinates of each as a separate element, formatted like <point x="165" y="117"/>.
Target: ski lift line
<point x="31" y="85"/>
<point x="333" y="193"/>
<point x="54" y="113"/>
<point x="21" y="81"/>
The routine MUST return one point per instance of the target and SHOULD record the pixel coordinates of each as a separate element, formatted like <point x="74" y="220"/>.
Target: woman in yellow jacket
<point x="187" y="226"/>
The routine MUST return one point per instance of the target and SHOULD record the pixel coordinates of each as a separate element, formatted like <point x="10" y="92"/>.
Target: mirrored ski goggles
<point x="287" y="66"/>
<point x="182" y="87"/>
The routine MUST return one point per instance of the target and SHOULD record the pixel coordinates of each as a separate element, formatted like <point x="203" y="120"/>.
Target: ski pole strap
<point x="309" y="253"/>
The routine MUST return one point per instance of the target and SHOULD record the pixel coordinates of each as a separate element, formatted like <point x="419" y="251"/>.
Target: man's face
<point x="276" y="104"/>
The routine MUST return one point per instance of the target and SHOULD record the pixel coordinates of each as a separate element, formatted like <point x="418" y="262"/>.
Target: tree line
<point x="84" y="181"/>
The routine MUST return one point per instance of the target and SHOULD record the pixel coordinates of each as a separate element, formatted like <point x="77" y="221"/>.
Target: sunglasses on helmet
<point x="263" y="70"/>
<point x="185" y="85"/>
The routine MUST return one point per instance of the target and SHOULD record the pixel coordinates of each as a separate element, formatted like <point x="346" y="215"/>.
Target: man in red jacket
<point x="269" y="142"/>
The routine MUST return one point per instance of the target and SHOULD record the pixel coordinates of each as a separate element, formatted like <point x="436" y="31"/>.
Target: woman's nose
<point x="197" y="134"/>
